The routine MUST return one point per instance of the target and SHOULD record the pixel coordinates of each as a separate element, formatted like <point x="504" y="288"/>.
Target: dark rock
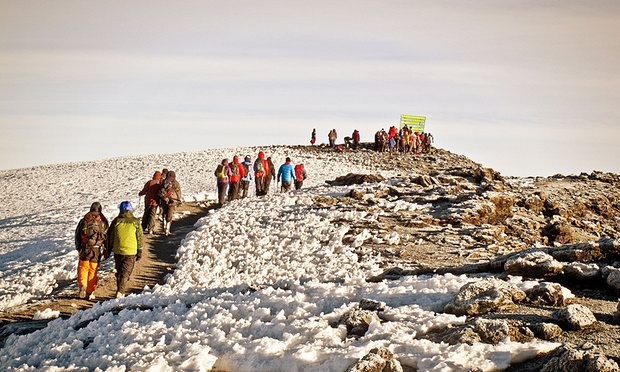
<point x="356" y="179"/>
<point x="575" y="317"/>
<point x="612" y="277"/>
<point x="356" y="194"/>
<point x="559" y="232"/>
<point x="492" y="331"/>
<point x="581" y="252"/>
<point x="483" y="296"/>
<point x="548" y="294"/>
<point x="372" y="305"/>
<point x="580" y="360"/>
<point x="379" y="359"/>
<point x="617" y="314"/>
<point x="357" y="321"/>
<point x="582" y="271"/>
<point x="533" y="264"/>
<point x="546" y="331"/>
<point x="425" y="181"/>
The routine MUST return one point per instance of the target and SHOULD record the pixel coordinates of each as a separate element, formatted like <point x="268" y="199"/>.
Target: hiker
<point x="271" y="174"/>
<point x="300" y="176"/>
<point x="347" y="142"/>
<point x="222" y="173"/>
<point x="356" y="139"/>
<point x="286" y="174"/>
<point x="261" y="170"/>
<point x="90" y="239"/>
<point x="236" y="173"/>
<point x="332" y="136"/>
<point x="170" y="197"/>
<point x="313" y="138"/>
<point x="247" y="177"/>
<point x="151" y="202"/>
<point x="125" y="241"/>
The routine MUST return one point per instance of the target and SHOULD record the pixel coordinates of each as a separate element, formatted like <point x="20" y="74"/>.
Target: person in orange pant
<point x="90" y="239"/>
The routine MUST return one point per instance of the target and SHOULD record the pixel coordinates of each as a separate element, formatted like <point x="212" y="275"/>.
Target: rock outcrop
<point x="483" y="296"/>
<point x="379" y="359"/>
<point x="575" y="317"/>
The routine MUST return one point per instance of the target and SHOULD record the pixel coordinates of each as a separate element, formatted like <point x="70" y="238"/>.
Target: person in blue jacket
<point x="286" y="175"/>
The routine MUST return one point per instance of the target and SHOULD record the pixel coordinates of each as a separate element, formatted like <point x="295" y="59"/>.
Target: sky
<point x="525" y="87"/>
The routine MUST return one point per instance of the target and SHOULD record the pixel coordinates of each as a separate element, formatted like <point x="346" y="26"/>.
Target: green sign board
<point x="416" y="123"/>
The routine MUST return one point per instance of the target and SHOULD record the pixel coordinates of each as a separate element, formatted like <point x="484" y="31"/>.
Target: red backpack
<point x="299" y="173"/>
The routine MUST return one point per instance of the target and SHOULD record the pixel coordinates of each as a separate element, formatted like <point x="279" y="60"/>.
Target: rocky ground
<point x="444" y="213"/>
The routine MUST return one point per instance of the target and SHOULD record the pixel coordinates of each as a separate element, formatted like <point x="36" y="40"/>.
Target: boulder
<point x="492" y="331"/>
<point x="372" y="305"/>
<point x="379" y="359"/>
<point x="533" y="264"/>
<point x="580" y="360"/>
<point x="612" y="277"/>
<point x="484" y="296"/>
<point x="546" y="331"/>
<point x="357" y="321"/>
<point x="575" y="317"/>
<point x="581" y="252"/>
<point x="559" y="232"/>
<point x="546" y="294"/>
<point x="582" y="271"/>
<point x="617" y="314"/>
<point x="459" y="335"/>
<point x="356" y="194"/>
<point x="424" y="181"/>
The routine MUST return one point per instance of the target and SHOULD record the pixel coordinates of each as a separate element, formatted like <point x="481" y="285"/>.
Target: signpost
<point x="416" y="123"/>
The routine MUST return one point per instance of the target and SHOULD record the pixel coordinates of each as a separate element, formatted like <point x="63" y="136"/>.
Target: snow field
<point x="44" y="205"/>
<point x="260" y="286"/>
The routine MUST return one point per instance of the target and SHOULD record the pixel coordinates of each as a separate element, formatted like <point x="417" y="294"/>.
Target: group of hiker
<point x="234" y="178"/>
<point x="404" y="140"/>
<point x="96" y="239"/>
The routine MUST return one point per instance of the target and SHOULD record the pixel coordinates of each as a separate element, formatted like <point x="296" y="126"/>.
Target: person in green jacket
<point x="125" y="241"/>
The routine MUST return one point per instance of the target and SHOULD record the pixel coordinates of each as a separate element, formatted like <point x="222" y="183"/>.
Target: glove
<point x="139" y="254"/>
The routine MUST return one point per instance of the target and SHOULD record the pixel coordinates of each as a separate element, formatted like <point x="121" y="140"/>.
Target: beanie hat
<point x="125" y="206"/>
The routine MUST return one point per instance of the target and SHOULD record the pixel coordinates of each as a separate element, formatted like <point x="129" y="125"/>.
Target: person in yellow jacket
<point x="125" y="241"/>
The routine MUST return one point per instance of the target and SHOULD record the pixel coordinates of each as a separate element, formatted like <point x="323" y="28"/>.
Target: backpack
<point x="234" y="169"/>
<point x="220" y="172"/>
<point x="92" y="229"/>
<point x="299" y="173"/>
<point x="259" y="168"/>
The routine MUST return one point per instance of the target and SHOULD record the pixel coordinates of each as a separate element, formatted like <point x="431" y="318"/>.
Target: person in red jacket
<point x="236" y="174"/>
<point x="151" y="202"/>
<point x="261" y="172"/>
<point x="356" y="139"/>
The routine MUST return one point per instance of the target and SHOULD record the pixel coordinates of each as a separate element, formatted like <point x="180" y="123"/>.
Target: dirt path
<point x="158" y="260"/>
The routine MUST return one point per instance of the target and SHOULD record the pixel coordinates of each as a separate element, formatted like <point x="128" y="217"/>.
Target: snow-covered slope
<point x="260" y="283"/>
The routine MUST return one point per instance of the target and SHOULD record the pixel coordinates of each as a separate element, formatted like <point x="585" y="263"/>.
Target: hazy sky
<point x="525" y="87"/>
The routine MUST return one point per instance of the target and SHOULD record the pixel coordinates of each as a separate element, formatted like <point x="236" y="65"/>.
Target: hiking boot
<point x="92" y="297"/>
<point x="81" y="292"/>
<point x="120" y="295"/>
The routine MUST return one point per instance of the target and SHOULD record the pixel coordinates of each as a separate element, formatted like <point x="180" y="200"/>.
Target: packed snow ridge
<point x="260" y="284"/>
